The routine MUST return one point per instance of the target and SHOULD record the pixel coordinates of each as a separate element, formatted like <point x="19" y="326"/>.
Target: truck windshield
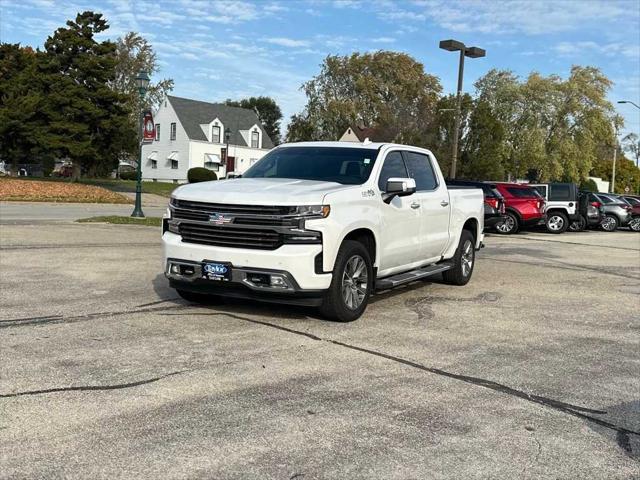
<point x="348" y="166"/>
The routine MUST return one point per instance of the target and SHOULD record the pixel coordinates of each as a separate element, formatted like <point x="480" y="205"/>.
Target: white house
<point x="190" y="133"/>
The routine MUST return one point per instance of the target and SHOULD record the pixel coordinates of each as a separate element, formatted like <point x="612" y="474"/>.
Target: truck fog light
<point x="278" y="281"/>
<point x="175" y="269"/>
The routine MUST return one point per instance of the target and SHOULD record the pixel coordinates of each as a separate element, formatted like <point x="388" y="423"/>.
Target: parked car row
<point x="510" y="207"/>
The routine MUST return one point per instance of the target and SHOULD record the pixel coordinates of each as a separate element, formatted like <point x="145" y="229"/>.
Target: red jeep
<point x="524" y="207"/>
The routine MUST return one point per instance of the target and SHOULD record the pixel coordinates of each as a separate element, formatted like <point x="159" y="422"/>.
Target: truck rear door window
<point x="420" y="169"/>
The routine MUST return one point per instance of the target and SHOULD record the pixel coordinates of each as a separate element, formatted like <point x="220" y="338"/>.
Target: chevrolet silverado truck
<point x="324" y="224"/>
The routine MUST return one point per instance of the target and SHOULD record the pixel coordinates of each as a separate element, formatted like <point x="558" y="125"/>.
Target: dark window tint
<point x="606" y="199"/>
<point x="632" y="201"/>
<point x="560" y="193"/>
<point x="393" y="167"/>
<point x="348" y="166"/>
<point x="420" y="169"/>
<point x="523" y="192"/>
<point x="541" y="189"/>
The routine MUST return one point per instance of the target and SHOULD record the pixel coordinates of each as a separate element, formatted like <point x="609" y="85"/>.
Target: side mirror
<point x="399" y="187"/>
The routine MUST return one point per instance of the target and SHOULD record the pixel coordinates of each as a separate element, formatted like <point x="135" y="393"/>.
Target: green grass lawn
<point x="147" y="221"/>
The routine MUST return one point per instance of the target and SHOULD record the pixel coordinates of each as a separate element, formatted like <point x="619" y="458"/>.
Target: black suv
<point x="493" y="200"/>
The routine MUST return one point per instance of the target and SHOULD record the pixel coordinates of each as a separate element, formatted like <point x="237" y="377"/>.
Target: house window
<point x="255" y="139"/>
<point x="212" y="166"/>
<point x="157" y="132"/>
<point x="215" y="134"/>
<point x="172" y="136"/>
<point x="174" y="164"/>
<point x="154" y="164"/>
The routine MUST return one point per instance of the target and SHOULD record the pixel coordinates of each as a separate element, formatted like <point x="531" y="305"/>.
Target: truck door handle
<point x="415" y="205"/>
<point x="444" y="203"/>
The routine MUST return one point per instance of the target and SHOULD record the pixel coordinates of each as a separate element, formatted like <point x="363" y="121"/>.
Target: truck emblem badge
<point x="368" y="193"/>
<point x="219" y="219"/>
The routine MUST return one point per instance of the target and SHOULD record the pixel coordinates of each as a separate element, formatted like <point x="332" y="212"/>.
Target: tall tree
<point x="385" y="89"/>
<point x="268" y="112"/>
<point x="134" y="54"/>
<point x="88" y="121"/>
<point x="21" y="124"/>
<point x="631" y="145"/>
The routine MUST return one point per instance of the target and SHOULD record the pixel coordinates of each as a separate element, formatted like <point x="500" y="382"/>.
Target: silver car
<point x="617" y="213"/>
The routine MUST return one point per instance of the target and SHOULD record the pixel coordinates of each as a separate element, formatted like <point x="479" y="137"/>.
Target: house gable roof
<point x="374" y="134"/>
<point x="193" y="113"/>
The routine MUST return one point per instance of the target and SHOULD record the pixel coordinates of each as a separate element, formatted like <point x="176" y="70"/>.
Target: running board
<point x="406" y="277"/>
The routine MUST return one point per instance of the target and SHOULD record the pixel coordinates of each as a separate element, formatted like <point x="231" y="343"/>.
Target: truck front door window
<point x="393" y="167"/>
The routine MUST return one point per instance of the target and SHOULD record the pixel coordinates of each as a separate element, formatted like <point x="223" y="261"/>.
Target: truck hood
<point x="259" y="191"/>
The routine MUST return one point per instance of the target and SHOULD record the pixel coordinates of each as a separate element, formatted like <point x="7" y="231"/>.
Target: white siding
<point x="243" y="155"/>
<point x="164" y="173"/>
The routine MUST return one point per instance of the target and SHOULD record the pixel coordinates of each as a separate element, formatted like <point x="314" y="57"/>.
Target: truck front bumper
<point x="252" y="270"/>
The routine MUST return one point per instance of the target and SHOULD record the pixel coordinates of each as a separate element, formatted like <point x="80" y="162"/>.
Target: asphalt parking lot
<point x="530" y="371"/>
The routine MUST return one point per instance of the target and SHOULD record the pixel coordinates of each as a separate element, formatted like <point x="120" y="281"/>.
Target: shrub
<point x="200" y="174"/>
<point x="589" y="185"/>
<point x="129" y="175"/>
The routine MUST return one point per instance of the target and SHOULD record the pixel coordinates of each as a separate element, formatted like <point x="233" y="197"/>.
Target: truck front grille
<point x="227" y="236"/>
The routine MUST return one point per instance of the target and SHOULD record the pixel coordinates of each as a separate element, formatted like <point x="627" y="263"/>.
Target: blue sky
<point x="235" y="48"/>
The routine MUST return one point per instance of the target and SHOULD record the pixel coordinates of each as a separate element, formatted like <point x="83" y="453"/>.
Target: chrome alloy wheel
<point x="555" y="223"/>
<point x="635" y="224"/>
<point x="507" y="225"/>
<point x="355" y="281"/>
<point x="608" y="224"/>
<point x="467" y="258"/>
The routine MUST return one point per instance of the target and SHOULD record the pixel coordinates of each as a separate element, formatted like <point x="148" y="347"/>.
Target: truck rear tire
<point x="464" y="261"/>
<point x="351" y="285"/>
<point x="578" y="225"/>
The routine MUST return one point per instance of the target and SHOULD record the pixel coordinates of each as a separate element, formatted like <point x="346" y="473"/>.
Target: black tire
<point x="634" y="224"/>
<point x="578" y="225"/>
<point x="510" y="225"/>
<point x="196" y="297"/>
<point x="610" y="223"/>
<point x="556" y="222"/>
<point x="461" y="273"/>
<point x="334" y="305"/>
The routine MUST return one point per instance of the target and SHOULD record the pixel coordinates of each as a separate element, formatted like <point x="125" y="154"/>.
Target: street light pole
<point x="629" y="101"/>
<point x="142" y="82"/>
<point x="615" y="154"/>
<point x="471" y="52"/>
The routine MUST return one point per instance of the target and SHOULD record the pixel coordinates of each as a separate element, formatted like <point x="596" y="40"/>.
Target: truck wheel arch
<point x="473" y="226"/>
<point x="365" y="237"/>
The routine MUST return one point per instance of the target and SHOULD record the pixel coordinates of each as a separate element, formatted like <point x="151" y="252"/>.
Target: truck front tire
<point x="351" y="285"/>
<point x="463" y="261"/>
<point x="557" y="222"/>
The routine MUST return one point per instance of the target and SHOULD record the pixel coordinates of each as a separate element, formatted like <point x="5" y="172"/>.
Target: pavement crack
<point x="20" y="322"/>
<point x="89" y="388"/>
<point x="563" y="407"/>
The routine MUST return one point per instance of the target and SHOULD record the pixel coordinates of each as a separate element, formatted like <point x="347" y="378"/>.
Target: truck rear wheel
<point x="464" y="261"/>
<point x="351" y="285"/>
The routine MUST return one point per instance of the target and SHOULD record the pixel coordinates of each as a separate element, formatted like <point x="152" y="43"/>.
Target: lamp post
<point x="629" y="101"/>
<point x="471" y="52"/>
<point x="142" y="82"/>
<point x="615" y="154"/>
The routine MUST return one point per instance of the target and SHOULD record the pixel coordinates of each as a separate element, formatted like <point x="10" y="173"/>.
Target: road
<point x="530" y="371"/>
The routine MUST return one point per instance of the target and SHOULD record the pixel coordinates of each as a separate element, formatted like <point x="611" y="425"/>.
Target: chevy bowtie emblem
<point x="220" y="218"/>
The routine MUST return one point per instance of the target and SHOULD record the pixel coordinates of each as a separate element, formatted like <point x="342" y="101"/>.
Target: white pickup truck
<point x="322" y="224"/>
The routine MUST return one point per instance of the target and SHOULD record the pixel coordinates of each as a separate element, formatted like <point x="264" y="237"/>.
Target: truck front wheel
<point x="351" y="285"/>
<point x="463" y="261"/>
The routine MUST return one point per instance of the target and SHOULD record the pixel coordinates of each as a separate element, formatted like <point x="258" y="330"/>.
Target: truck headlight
<point x="316" y="211"/>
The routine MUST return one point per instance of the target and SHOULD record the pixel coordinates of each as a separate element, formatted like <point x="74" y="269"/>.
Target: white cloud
<point x="287" y="42"/>
<point x="590" y="48"/>
<point x="383" y="40"/>
<point x="514" y="16"/>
